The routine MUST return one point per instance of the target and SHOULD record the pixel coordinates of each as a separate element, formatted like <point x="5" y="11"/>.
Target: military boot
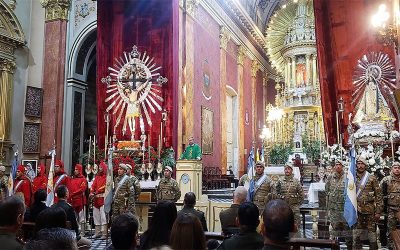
<point x="97" y="231"/>
<point x="103" y="232"/>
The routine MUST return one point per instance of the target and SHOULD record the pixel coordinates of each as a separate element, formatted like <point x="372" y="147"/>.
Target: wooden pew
<point x="296" y="243"/>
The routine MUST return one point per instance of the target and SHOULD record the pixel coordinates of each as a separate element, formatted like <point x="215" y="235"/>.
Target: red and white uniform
<point x="97" y="190"/>
<point x="77" y="187"/>
<point x="60" y="178"/>
<point x="40" y="181"/>
<point x="23" y="185"/>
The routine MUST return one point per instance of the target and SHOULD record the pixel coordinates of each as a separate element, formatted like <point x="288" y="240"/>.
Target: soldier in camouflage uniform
<point x="168" y="188"/>
<point x="292" y="192"/>
<point x="335" y="188"/>
<point x="260" y="190"/>
<point x="3" y="183"/>
<point x="369" y="206"/>
<point x="391" y="187"/>
<point x="127" y="190"/>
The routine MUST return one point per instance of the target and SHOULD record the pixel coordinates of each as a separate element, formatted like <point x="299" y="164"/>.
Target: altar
<point x="312" y="194"/>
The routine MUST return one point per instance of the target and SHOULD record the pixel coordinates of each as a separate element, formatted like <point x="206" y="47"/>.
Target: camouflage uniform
<point x="3" y="187"/>
<point x="263" y="193"/>
<point x="335" y="188"/>
<point x="369" y="203"/>
<point x="243" y="179"/>
<point x="392" y="184"/>
<point x="292" y="192"/>
<point x="124" y="199"/>
<point x="168" y="189"/>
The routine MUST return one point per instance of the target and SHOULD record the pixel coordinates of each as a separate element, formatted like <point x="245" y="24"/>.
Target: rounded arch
<point x="82" y="51"/>
<point x="231" y="91"/>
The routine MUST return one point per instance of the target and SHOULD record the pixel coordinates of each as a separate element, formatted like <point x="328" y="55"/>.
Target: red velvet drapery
<point x="150" y="26"/>
<point x="344" y="33"/>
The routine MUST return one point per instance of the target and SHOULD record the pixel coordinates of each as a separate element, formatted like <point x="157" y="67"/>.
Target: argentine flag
<point x="250" y="174"/>
<point x="350" y="203"/>
<point x="50" y="181"/>
<point x="108" y="193"/>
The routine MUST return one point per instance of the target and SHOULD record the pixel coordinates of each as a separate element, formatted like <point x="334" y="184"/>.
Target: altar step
<point x="220" y="195"/>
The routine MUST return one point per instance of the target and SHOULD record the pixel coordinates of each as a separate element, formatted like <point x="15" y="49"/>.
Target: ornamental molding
<point x="224" y="37"/>
<point x="255" y="66"/>
<point x="189" y="6"/>
<point x="241" y="54"/>
<point x="56" y="9"/>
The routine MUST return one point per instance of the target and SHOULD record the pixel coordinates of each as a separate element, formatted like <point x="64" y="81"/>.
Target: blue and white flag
<point x="350" y="192"/>
<point x="50" y="180"/>
<point x="250" y="164"/>
<point x="13" y="172"/>
<point x="108" y="193"/>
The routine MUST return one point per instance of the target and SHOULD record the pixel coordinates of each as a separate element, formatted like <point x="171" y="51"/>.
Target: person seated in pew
<point x="227" y="217"/>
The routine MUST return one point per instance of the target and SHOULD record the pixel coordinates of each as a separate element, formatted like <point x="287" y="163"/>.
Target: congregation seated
<point x="124" y="230"/>
<point x="279" y="225"/>
<point x="187" y="233"/>
<point x="160" y="227"/>
<point x="52" y="239"/>
<point x="12" y="210"/>
<point x="248" y="237"/>
<point x="189" y="202"/>
<point x="228" y="217"/>
<point x="53" y="217"/>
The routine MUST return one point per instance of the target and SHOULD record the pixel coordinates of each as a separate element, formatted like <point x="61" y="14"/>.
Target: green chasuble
<point x="191" y="153"/>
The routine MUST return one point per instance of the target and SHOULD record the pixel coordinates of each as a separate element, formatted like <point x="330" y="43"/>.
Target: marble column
<point x="314" y="70"/>
<point x="240" y="62"/>
<point x="308" y="69"/>
<point x="224" y="37"/>
<point x="293" y="73"/>
<point x="190" y="10"/>
<point x="54" y="74"/>
<point x="255" y="66"/>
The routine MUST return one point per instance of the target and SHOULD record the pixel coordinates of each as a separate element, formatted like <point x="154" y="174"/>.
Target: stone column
<point x="293" y="74"/>
<point x="224" y="37"/>
<point x="54" y="74"/>
<point x="308" y="69"/>
<point x="190" y="9"/>
<point x="314" y="70"/>
<point x="6" y="92"/>
<point x="265" y="82"/>
<point x="255" y="66"/>
<point x="240" y="61"/>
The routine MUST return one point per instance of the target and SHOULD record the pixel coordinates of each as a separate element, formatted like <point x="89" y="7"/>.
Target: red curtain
<point x="148" y="25"/>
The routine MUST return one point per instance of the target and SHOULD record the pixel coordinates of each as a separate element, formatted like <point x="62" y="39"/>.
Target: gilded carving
<point x="56" y="9"/>
<point x="241" y="55"/>
<point x="255" y="66"/>
<point x="224" y="37"/>
<point x="191" y="6"/>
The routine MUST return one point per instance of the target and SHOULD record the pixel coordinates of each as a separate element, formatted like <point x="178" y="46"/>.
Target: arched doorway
<point x="232" y="130"/>
<point x="80" y="119"/>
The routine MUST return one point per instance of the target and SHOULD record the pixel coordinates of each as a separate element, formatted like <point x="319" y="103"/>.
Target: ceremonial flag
<point x="257" y="155"/>
<point x="13" y="172"/>
<point x="108" y="193"/>
<point x="50" y="181"/>
<point x="250" y="164"/>
<point x="350" y="203"/>
<point x="262" y="155"/>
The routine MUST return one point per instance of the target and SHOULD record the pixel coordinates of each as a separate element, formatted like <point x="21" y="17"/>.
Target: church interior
<point x="210" y="88"/>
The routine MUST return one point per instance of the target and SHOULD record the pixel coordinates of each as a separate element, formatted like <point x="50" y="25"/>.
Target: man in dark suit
<point x="12" y="210"/>
<point x="62" y="194"/>
<point x="248" y="237"/>
<point x="188" y="207"/>
<point x="228" y="217"/>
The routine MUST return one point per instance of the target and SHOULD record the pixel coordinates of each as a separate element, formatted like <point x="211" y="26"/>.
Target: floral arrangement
<point x="128" y="145"/>
<point x="333" y="153"/>
<point x="373" y="155"/>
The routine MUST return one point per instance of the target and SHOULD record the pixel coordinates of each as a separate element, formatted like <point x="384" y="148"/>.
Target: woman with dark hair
<point x="187" y="233"/>
<point x="38" y="205"/>
<point x="160" y="227"/>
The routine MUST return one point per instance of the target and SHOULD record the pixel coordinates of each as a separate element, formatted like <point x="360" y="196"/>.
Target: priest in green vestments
<point x="192" y="151"/>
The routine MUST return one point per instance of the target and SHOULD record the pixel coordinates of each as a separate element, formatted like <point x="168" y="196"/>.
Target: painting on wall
<point x="33" y="103"/>
<point x="31" y="143"/>
<point x="33" y="164"/>
<point x="207" y="130"/>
